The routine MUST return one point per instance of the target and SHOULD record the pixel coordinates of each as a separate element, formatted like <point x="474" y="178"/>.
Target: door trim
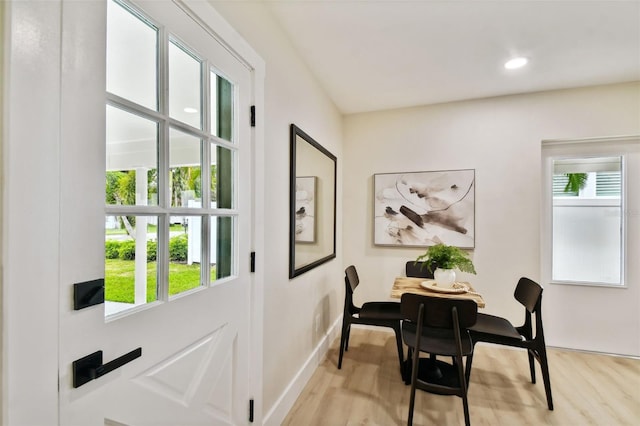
<point x="206" y="15"/>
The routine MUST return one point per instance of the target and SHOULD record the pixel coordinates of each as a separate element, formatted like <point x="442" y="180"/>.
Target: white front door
<point x="184" y="349"/>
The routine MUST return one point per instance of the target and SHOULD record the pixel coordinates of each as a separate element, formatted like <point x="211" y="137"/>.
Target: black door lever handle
<point x="91" y="367"/>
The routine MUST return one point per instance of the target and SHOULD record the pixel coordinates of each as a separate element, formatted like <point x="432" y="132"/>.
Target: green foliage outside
<point x="120" y="188"/>
<point x="113" y="185"/>
<point x="152" y="251"/>
<point x="120" y="269"/>
<point x="126" y="250"/>
<point x="126" y="191"/>
<point x="119" y="279"/>
<point x="111" y="249"/>
<point x="447" y="257"/>
<point x="120" y="255"/>
<point x="575" y="182"/>
<point x="178" y="247"/>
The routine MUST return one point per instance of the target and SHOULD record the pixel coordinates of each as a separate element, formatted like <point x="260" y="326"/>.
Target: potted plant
<point x="445" y="259"/>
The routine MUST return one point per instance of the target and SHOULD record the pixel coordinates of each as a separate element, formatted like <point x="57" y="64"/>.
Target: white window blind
<point x="608" y="184"/>
<point x="559" y="184"/>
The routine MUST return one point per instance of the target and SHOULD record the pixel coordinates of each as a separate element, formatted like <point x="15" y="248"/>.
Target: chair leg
<point x="544" y="365"/>
<point x="398" y="332"/>
<point x="532" y="366"/>
<point x="465" y="406"/>
<point x="343" y="338"/>
<point x="467" y="373"/>
<point x="414" y="378"/>
<point x="408" y="367"/>
<point x="463" y="387"/>
<point x="346" y="342"/>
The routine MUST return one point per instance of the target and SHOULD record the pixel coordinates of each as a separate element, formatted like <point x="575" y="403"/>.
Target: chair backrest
<point x="528" y="293"/>
<point x="351" y="279"/>
<point x="418" y="269"/>
<point x="438" y="310"/>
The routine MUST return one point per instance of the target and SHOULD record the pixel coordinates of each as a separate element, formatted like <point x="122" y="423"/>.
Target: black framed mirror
<point x="312" y="204"/>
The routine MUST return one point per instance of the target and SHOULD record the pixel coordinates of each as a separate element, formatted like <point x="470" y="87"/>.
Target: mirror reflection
<point x="312" y="231"/>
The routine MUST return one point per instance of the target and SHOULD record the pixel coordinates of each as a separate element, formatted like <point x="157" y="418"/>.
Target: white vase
<point x="445" y="277"/>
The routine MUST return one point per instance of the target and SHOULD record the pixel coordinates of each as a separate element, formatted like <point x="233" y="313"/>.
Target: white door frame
<point x="31" y="199"/>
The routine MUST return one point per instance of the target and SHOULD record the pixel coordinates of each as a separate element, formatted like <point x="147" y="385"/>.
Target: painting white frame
<point x="421" y="209"/>
<point x="305" y="211"/>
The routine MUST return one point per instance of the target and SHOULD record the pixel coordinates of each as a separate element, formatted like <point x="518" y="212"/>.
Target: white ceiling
<point x="381" y="54"/>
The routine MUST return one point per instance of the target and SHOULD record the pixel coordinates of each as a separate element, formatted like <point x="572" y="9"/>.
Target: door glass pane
<point x="221" y="107"/>
<point x="185" y="86"/>
<point x="588" y="227"/>
<point x="185" y="252"/>
<point x="132" y="70"/>
<point x="200" y="244"/>
<point x="222" y="257"/>
<point x="132" y="159"/>
<point x="222" y="177"/>
<point x="131" y="252"/>
<point x="185" y="171"/>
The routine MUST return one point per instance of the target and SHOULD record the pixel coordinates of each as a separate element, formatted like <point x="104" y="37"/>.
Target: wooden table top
<point x="412" y="285"/>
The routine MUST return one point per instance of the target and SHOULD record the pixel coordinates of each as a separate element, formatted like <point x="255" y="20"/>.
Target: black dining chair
<point x="438" y="326"/>
<point x="418" y="270"/>
<point x="500" y="331"/>
<point x="384" y="314"/>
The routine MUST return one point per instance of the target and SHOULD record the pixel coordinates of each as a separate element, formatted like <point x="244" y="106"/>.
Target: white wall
<point x="291" y="306"/>
<point x="501" y="139"/>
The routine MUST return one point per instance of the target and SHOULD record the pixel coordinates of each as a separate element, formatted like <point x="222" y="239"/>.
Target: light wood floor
<point x="588" y="389"/>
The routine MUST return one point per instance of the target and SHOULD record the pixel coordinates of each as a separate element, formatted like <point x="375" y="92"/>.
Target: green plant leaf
<point x="447" y="257"/>
<point x="576" y="182"/>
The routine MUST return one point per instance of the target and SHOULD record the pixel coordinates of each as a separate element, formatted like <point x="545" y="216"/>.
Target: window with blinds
<point x="559" y="185"/>
<point x="608" y="184"/>
<point x="599" y="184"/>
<point x="587" y="222"/>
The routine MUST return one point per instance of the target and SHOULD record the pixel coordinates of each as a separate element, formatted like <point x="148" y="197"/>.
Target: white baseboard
<point x="280" y="409"/>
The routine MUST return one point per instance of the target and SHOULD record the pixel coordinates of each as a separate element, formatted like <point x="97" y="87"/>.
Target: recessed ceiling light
<point x="190" y="110"/>
<point x="514" y="63"/>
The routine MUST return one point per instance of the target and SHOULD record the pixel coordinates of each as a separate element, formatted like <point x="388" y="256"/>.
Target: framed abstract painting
<point x="421" y="209"/>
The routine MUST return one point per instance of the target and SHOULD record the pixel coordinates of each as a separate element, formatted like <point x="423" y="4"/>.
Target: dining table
<point x="431" y="369"/>
<point x="460" y="290"/>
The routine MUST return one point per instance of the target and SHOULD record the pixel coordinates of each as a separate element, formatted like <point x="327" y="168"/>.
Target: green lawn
<point x="119" y="279"/>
